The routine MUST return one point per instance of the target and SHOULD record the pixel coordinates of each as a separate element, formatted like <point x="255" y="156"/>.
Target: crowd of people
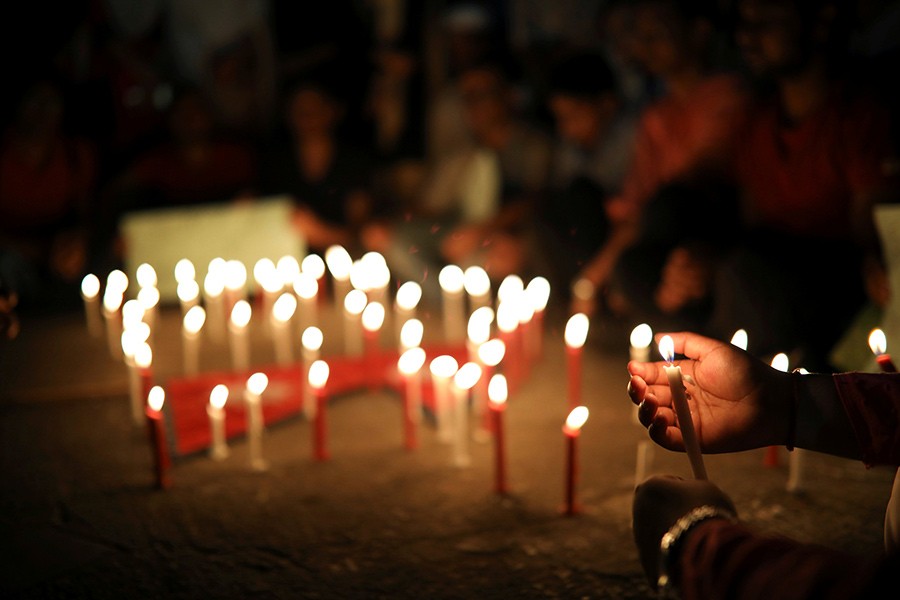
<point x="703" y="164"/>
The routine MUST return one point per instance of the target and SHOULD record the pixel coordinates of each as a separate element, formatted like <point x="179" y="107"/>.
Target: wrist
<point x="673" y="540"/>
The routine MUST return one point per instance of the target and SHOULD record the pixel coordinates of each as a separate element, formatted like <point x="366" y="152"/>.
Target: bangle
<point x="674" y="536"/>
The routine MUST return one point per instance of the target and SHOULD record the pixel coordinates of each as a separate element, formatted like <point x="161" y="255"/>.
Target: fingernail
<point x="629" y="389"/>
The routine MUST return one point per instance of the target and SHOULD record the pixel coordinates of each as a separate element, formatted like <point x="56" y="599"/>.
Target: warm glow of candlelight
<point x="156" y="398"/>
<point x="476" y="281"/>
<point x="492" y="352"/>
<point x="218" y="396"/>
<point x="739" y="339"/>
<point x="130" y="342"/>
<point x="148" y="297"/>
<point x="507" y="318"/>
<point x="379" y="273"/>
<point x="667" y="348"/>
<point x="524" y="309"/>
<point x="112" y="300"/>
<point x="878" y="342"/>
<point x="217" y="266"/>
<point x="373" y="316"/>
<point x="444" y="366"/>
<point x="577" y="418"/>
<point x="360" y="278"/>
<point x="510" y="288"/>
<point x="467" y="376"/>
<point x="538" y="293"/>
<point x="117" y="281"/>
<point x="408" y="295"/>
<point x="287" y="268"/>
<point x="235" y="275"/>
<point x="339" y="262"/>
<point x="451" y="279"/>
<point x="306" y="286"/>
<point x="90" y="286"/>
<point x="240" y="314"/>
<point x="146" y="276"/>
<point x="479" y="327"/>
<point x="312" y="339"/>
<point x="185" y="271"/>
<point x="194" y="320"/>
<point x="318" y="374"/>
<point x="132" y="313"/>
<point x="263" y="271"/>
<point x="187" y="290"/>
<point x="213" y="283"/>
<point x="411" y="361"/>
<point x="641" y="336"/>
<point x="143" y="356"/>
<point x="498" y="390"/>
<point x="284" y="308"/>
<point x="780" y="362"/>
<point x="355" y="302"/>
<point x="411" y="333"/>
<point x="577" y="330"/>
<point x="257" y="383"/>
<point x="313" y="265"/>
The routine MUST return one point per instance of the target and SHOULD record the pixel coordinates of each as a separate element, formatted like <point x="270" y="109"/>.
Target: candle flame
<point x="264" y="271"/>
<point x="284" y="308"/>
<point x="498" y="390"/>
<point x="146" y="275"/>
<point x="355" y="302"/>
<point x="411" y="361"/>
<point x="667" y="348"/>
<point x="132" y="313"/>
<point x="360" y="278"/>
<point x="479" y="327"/>
<point x="476" y="281"/>
<point x="408" y="295"/>
<point x="235" y="275"/>
<point x="338" y="260"/>
<point x="451" y="279"/>
<point x="117" y="281"/>
<point x="194" y="319"/>
<point x="185" y="271"/>
<point x="411" y="333"/>
<point x="492" y="352"/>
<point x="143" y="356"/>
<point x="577" y="418"/>
<point x="467" y="376"/>
<point x="217" y="266"/>
<point x="155" y="398"/>
<point x="538" y="293"/>
<point x="240" y="314"/>
<point x="312" y="339"/>
<point x="287" y="268"/>
<point x="257" y="383"/>
<point x="112" y="300"/>
<point x="878" y="342"/>
<point x="524" y="309"/>
<point x="213" y="283"/>
<point x="313" y="265"/>
<point x="801" y="370"/>
<point x="318" y="374"/>
<point x="444" y="366"/>
<point x="507" y="319"/>
<point x="740" y="339"/>
<point x="130" y="341"/>
<point x="306" y="286"/>
<point x="577" y="330"/>
<point x="187" y="290"/>
<point x="90" y="286"/>
<point x="218" y="396"/>
<point x="641" y="336"/>
<point x="511" y="287"/>
<point x="148" y="297"/>
<point x="780" y="362"/>
<point x="373" y="316"/>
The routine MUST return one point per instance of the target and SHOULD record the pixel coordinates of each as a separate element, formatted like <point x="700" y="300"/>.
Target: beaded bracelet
<point x="674" y="536"/>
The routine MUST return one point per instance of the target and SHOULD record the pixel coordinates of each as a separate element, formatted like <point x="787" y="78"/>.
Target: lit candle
<point x="442" y="368"/>
<point x="740" y="339"/>
<point x="682" y="410"/>
<point x="780" y="362"/>
<point x="218" y="450"/>
<point x="575" y="335"/>
<point x="797" y="459"/>
<point x="478" y="330"/>
<point x="307" y="289"/>
<point x="282" y="312"/>
<point x="238" y="337"/>
<point x="641" y="336"/>
<point x="572" y="429"/>
<point x="411" y="334"/>
<point x="497" y="392"/>
<point x="372" y="320"/>
<point x="185" y="271"/>
<point x="214" y="297"/>
<point x="156" y="431"/>
<point x="235" y="282"/>
<point x="405" y="303"/>
<point x="510" y="289"/>
<point x="148" y="298"/>
<point x="191" y="325"/>
<point x="90" y="293"/>
<point x="410" y="365"/>
<point x="188" y="292"/>
<point x="318" y="378"/>
<point x="525" y="315"/>
<point x="143" y="360"/>
<point x="465" y="379"/>
<point x="131" y="339"/>
<point x="354" y="304"/>
<point x="878" y="344"/>
<point x="378" y="276"/>
<point x="287" y="268"/>
<point x="339" y="262"/>
<point x="508" y="326"/>
<point x="490" y="354"/>
<point x="314" y="266"/>
<point x="146" y="276"/>
<point x="538" y="293"/>
<point x="117" y="281"/>
<point x="112" y="303"/>
<point x="311" y="341"/>
<point x="478" y="287"/>
<point x="256" y="385"/>
<point x="451" y="280"/>
<point x="132" y="314"/>
<point x="268" y="288"/>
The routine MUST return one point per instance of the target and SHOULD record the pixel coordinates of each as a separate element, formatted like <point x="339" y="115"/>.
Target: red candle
<point x="878" y="344"/>
<point x="572" y="429"/>
<point x="497" y="392"/>
<point x="410" y="364"/>
<point x="157" y="434"/>
<point x="318" y="377"/>
<point x="575" y="335"/>
<point x="490" y="354"/>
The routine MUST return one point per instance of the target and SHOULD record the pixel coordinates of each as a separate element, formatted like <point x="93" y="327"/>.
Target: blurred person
<point x="740" y="403"/>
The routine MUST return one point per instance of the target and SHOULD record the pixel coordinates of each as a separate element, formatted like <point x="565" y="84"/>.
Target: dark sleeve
<point x="872" y="403"/>
<point x="720" y="559"/>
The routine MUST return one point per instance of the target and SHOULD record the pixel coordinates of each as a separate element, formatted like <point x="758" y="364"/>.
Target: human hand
<point x="658" y="503"/>
<point x="737" y="402"/>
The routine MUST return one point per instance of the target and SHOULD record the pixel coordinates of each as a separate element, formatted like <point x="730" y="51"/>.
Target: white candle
<point x="339" y="262"/>
<point x="740" y="339"/>
<point x="235" y="281"/>
<point x="451" y="280"/>
<point x="641" y="336"/>
<point x="354" y="304"/>
<point x="112" y="303"/>
<point x="188" y="292"/>
<point x="238" y="335"/>
<point x="90" y="293"/>
<point x="130" y="342"/>
<point x="256" y="385"/>
<point x="214" y="296"/>
<point x="318" y="378"/>
<point x="575" y="335"/>
<point x="218" y="449"/>
<point x="191" y="325"/>
<point x="307" y="289"/>
<point x="268" y="288"/>
<point x="282" y="312"/>
<point x="478" y="287"/>
<point x="405" y="303"/>
<point x="411" y="334"/>
<point x="465" y="379"/>
<point x="442" y="368"/>
<point x="311" y="341"/>
<point x="682" y="409"/>
<point x="410" y="365"/>
<point x="148" y="297"/>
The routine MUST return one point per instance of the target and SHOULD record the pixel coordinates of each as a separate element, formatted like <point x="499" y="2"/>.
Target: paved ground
<point x="78" y="516"/>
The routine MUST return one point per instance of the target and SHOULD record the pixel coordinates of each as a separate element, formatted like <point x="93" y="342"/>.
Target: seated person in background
<point x="46" y="187"/>
<point x="740" y="403"/>
<point x="595" y="138"/>
<point x="686" y="135"/>
<point x="328" y="180"/>
<point x="476" y="202"/>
